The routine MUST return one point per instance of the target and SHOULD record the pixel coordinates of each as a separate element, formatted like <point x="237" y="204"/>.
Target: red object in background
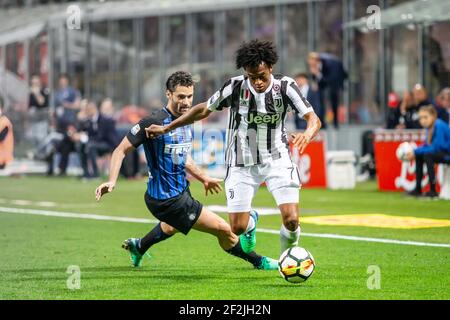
<point x="43" y="68"/>
<point x="393" y="174"/>
<point x="21" y="61"/>
<point x="311" y="163"/>
<point x="393" y="100"/>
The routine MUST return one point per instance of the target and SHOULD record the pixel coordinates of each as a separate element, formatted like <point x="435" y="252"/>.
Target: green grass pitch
<point x="36" y="250"/>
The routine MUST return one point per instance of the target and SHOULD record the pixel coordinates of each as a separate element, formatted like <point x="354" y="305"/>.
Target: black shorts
<point x="180" y="212"/>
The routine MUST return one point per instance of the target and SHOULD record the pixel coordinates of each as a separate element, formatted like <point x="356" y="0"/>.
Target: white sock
<point x="251" y="224"/>
<point x="288" y="239"/>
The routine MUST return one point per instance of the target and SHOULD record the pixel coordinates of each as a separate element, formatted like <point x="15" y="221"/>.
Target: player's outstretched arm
<point x="116" y="163"/>
<point x="198" y="112"/>
<point x="211" y="184"/>
<point x="301" y="140"/>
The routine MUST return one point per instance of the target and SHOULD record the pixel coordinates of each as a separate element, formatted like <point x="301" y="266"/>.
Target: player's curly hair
<point x="252" y="54"/>
<point x="179" y="78"/>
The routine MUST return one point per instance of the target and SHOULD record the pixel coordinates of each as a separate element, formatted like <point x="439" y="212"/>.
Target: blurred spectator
<point x="66" y="96"/>
<point x="132" y="114"/>
<point x="444" y="101"/>
<point x="392" y="112"/>
<point x="67" y="103"/>
<point x="407" y="113"/>
<point x="420" y="96"/>
<point x="436" y="149"/>
<point x="38" y="111"/>
<point x="128" y="116"/>
<point x="62" y="140"/>
<point x="38" y="95"/>
<point x="98" y="137"/>
<point x="311" y="94"/>
<point x="328" y="72"/>
<point x="6" y="138"/>
<point x="107" y="108"/>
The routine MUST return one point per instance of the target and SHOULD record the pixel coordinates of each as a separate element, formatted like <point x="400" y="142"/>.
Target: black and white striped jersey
<point x="256" y="132"/>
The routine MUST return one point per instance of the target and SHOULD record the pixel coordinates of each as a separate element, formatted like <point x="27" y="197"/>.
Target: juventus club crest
<point x="278" y="103"/>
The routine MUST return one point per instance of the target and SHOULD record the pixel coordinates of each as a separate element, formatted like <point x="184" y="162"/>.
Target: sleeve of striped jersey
<point x="136" y="135"/>
<point x="297" y="100"/>
<point x="222" y="98"/>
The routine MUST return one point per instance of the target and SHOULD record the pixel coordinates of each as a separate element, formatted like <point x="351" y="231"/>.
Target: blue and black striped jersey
<point x="166" y="155"/>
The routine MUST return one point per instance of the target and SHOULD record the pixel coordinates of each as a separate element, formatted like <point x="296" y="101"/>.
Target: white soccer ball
<point x="296" y="265"/>
<point x="403" y="149"/>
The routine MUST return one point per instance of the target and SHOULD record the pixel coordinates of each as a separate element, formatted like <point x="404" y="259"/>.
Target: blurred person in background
<point x="97" y="136"/>
<point x="126" y="117"/>
<point x="131" y="114"/>
<point x="67" y="103"/>
<point x="392" y="111"/>
<point x="444" y="102"/>
<point x="329" y="73"/>
<point x="311" y="93"/>
<point x="67" y="96"/>
<point x="421" y="98"/>
<point x="6" y="138"/>
<point x="407" y="113"/>
<point x="107" y="108"/>
<point x="436" y="149"/>
<point x="39" y="96"/>
<point x="38" y="111"/>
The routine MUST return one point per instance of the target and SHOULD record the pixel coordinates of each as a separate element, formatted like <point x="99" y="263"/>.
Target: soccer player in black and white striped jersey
<point x="257" y="142"/>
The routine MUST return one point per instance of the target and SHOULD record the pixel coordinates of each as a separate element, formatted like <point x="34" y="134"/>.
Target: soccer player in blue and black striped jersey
<point x="167" y="196"/>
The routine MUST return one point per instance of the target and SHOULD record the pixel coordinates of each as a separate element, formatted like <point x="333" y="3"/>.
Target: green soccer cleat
<point x="248" y="239"/>
<point x="131" y="245"/>
<point x="268" y="264"/>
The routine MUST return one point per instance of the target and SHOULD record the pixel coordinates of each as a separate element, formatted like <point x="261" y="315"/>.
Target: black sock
<point x="433" y="187"/>
<point x="154" y="236"/>
<point x="252" y="257"/>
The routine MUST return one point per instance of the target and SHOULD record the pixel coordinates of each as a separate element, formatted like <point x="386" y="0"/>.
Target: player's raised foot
<point x="248" y="239"/>
<point x="267" y="264"/>
<point x="131" y="246"/>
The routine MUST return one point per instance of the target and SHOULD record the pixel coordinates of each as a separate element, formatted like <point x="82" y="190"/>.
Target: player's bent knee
<point x="224" y="233"/>
<point x="168" y="229"/>
<point x="224" y="228"/>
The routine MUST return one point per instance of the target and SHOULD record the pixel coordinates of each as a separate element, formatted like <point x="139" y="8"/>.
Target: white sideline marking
<point x="271" y="231"/>
<point x="20" y="202"/>
<point x="75" y="215"/>
<point x="48" y="204"/>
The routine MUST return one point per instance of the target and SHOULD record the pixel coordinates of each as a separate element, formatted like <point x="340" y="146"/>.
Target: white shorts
<point x="241" y="184"/>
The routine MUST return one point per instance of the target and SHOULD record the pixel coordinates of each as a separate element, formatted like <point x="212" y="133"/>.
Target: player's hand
<point x="154" y="130"/>
<point x="212" y="185"/>
<point x="104" y="188"/>
<point x="410" y="156"/>
<point x="301" y="141"/>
